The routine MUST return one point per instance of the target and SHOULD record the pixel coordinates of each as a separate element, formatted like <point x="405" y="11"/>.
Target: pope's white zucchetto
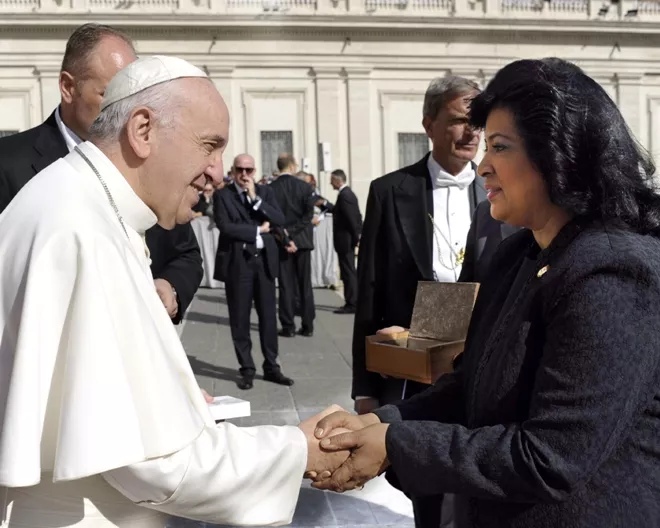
<point x="146" y="72"/>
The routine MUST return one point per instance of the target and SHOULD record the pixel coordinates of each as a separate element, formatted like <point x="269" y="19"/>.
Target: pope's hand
<point x="336" y="423"/>
<point x="319" y="461"/>
<point x="207" y="397"/>
<point x="167" y="296"/>
<point x="367" y="459"/>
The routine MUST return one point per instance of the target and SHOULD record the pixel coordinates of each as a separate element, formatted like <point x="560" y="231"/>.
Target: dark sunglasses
<point x="247" y="170"/>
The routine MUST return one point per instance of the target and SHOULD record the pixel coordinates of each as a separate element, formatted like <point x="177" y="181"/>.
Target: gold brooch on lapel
<point x="542" y="271"/>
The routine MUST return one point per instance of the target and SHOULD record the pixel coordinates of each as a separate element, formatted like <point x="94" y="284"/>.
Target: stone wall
<point x="354" y="83"/>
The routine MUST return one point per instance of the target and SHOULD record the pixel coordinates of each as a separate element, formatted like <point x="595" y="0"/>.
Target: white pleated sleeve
<point x="230" y="475"/>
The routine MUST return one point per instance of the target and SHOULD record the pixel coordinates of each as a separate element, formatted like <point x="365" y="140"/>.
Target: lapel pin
<point x="542" y="271"/>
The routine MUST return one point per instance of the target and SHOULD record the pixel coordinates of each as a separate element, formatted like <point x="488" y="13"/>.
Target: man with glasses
<point x="247" y="262"/>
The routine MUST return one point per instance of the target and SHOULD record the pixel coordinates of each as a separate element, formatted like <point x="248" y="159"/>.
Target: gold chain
<point x="458" y="257"/>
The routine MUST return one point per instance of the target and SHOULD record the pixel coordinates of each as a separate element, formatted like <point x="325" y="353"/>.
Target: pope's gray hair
<point x="112" y="120"/>
<point x="441" y="90"/>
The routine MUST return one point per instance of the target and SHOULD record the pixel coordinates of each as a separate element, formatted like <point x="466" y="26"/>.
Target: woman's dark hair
<point x="578" y="140"/>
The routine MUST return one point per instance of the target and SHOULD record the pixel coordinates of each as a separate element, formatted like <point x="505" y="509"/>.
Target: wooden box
<point x="438" y="328"/>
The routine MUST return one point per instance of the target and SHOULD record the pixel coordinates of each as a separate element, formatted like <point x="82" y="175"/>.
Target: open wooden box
<point x="438" y="328"/>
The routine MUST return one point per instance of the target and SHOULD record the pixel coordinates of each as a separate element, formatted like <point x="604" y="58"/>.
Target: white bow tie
<point x="462" y="181"/>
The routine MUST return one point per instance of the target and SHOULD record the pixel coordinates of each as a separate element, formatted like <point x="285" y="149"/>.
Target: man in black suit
<point x="247" y="262"/>
<point x="94" y="53"/>
<point x="296" y="201"/>
<point x="346" y="230"/>
<point x="416" y="224"/>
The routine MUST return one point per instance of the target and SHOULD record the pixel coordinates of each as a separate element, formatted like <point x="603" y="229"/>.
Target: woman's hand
<point x="336" y="423"/>
<point x="367" y="460"/>
<point x="344" y="420"/>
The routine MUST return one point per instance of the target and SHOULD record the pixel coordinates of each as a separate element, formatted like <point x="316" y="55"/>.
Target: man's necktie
<point x="250" y="247"/>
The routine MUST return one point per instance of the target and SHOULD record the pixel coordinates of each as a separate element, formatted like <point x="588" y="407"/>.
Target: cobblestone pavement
<point x="321" y="368"/>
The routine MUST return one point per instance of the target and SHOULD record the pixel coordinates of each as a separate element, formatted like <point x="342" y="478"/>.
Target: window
<point x="412" y="148"/>
<point x="274" y="143"/>
<point x="4" y="133"/>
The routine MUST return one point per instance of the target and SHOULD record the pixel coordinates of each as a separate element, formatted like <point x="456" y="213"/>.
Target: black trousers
<point x="348" y="276"/>
<point x="250" y="282"/>
<point x="296" y="276"/>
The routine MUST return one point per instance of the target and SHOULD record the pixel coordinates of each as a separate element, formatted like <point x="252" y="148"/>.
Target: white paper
<point x="226" y="407"/>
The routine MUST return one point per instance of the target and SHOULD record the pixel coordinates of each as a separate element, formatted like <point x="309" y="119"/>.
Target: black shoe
<point x="306" y="333"/>
<point x="345" y="310"/>
<point x="286" y="332"/>
<point x="278" y="377"/>
<point x="246" y="382"/>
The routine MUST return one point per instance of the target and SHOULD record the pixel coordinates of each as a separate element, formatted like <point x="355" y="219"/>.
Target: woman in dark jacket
<point x="553" y="419"/>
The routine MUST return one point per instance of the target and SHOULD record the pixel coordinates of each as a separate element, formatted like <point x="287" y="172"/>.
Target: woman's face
<point x="516" y="190"/>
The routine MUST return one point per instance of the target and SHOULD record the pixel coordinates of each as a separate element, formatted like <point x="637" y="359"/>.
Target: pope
<point x="101" y="420"/>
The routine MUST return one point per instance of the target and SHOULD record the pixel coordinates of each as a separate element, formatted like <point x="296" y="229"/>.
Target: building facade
<point x="340" y="83"/>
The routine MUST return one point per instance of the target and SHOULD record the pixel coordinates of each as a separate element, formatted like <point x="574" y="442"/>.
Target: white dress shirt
<point x="70" y="137"/>
<point x="256" y="203"/>
<point x="451" y="219"/>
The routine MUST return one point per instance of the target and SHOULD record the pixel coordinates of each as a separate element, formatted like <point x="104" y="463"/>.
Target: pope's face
<point x="188" y="155"/>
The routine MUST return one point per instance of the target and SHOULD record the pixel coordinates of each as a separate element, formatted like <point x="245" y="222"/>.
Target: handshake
<point x="344" y="451"/>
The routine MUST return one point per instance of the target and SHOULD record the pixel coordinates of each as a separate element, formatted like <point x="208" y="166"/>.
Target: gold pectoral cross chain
<point x="458" y="257"/>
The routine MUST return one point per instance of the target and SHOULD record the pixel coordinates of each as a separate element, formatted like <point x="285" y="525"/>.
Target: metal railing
<point x="580" y="10"/>
<point x="438" y="6"/>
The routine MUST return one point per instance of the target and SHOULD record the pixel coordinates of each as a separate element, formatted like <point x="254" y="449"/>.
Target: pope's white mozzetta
<point x="102" y="422"/>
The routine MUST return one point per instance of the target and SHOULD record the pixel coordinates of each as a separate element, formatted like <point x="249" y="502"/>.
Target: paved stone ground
<point x="321" y="368"/>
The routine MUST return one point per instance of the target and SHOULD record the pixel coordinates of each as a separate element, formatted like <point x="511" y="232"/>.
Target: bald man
<point x="94" y="54"/>
<point x="248" y="263"/>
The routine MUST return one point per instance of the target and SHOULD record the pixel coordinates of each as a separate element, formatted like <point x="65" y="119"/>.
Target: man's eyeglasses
<point x="248" y="170"/>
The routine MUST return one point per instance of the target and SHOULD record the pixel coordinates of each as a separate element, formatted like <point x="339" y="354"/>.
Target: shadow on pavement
<point x="211" y="298"/>
<point x="202" y="368"/>
<point x="199" y="317"/>
<point x="314" y="509"/>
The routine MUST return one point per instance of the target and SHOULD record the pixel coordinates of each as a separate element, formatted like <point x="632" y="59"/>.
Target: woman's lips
<point x="492" y="192"/>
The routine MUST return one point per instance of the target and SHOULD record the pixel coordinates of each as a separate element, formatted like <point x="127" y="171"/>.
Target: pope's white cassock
<point x="101" y="420"/>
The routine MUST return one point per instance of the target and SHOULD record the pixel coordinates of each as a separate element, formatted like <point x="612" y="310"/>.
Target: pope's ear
<point x="140" y="130"/>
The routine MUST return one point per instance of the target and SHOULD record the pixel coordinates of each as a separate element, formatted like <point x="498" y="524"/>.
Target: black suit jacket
<point x="483" y="239"/>
<point x="554" y="418"/>
<point x="175" y="254"/>
<point x="346" y="221"/>
<point x="395" y="254"/>
<point x="296" y="200"/>
<point x="238" y="227"/>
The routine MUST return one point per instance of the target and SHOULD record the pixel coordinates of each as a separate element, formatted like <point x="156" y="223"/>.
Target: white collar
<point x="132" y="209"/>
<point x="342" y="187"/>
<point x="70" y="137"/>
<point x="239" y="189"/>
<point x="441" y="178"/>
